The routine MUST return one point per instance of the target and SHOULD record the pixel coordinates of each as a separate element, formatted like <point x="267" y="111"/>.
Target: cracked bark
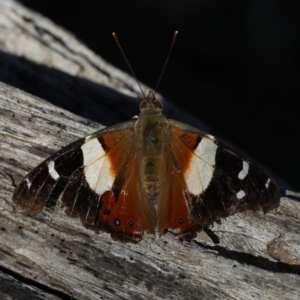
<point x="49" y="256"/>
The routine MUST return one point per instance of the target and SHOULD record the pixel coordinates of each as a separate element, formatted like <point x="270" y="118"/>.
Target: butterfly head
<point x="150" y="105"/>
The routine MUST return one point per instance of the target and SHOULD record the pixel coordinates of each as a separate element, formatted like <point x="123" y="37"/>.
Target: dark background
<point x="235" y="64"/>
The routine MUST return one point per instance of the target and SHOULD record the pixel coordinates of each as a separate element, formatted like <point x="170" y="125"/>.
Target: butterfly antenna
<point x="118" y="43"/>
<point x="164" y="67"/>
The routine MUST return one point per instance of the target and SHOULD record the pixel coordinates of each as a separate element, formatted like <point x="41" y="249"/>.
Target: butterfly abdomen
<point x="150" y="180"/>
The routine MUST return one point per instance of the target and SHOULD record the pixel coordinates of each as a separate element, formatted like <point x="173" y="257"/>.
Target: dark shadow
<point x="214" y="238"/>
<point x="78" y="95"/>
<point x="252" y="260"/>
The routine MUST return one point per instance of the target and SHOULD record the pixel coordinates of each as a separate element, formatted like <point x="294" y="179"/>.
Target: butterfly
<point x="149" y="175"/>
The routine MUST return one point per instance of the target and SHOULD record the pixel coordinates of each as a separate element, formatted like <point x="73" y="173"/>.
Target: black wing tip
<point x="26" y="204"/>
<point x="31" y="197"/>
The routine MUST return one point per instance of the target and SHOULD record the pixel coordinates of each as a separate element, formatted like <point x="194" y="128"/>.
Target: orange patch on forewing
<point x="183" y="146"/>
<point x="117" y="147"/>
<point x="109" y="141"/>
<point x="189" y="139"/>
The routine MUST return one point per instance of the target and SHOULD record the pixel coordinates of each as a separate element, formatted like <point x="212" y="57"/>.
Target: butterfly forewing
<point x="34" y="190"/>
<point x="218" y="181"/>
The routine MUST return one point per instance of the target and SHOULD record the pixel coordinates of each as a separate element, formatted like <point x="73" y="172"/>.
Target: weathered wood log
<point x="49" y="256"/>
<point x="248" y="256"/>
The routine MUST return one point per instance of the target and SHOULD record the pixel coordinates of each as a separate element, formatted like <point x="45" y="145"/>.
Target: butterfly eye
<point x="143" y="105"/>
<point x="158" y="104"/>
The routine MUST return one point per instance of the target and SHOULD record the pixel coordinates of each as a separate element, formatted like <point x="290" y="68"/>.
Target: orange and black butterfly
<point x="147" y="175"/>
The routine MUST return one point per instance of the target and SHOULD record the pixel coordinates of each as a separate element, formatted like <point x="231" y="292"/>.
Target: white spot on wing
<point x="99" y="176"/>
<point x="28" y="183"/>
<point x="241" y="194"/>
<point x="268" y="183"/>
<point x="52" y="171"/>
<point x="206" y="173"/>
<point x="206" y="150"/>
<point x="201" y="168"/>
<point x="192" y="178"/>
<point x="92" y="151"/>
<point x="106" y="179"/>
<point x="92" y="173"/>
<point x="244" y="172"/>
